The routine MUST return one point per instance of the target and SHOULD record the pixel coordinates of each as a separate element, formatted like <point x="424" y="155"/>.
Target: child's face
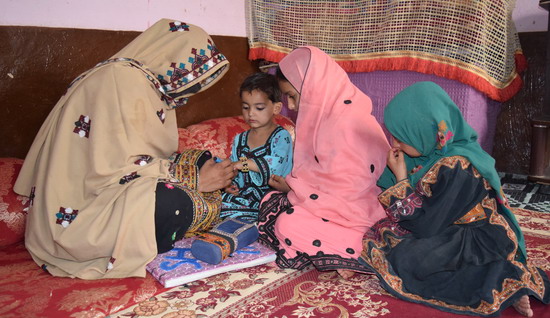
<point x="258" y="110"/>
<point x="293" y="97"/>
<point x="409" y="150"/>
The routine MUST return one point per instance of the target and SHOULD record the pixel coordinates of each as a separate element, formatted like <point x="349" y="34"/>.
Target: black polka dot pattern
<point x="324" y="220"/>
<point x="371" y="168"/>
<point x="347" y="101"/>
<point x="288" y="242"/>
<point x="316" y="159"/>
<point x="314" y="196"/>
<point x="350" y="250"/>
<point x="290" y="211"/>
<point x="316" y="243"/>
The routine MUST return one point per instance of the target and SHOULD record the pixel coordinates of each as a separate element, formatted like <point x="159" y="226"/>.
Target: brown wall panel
<point x="37" y="64"/>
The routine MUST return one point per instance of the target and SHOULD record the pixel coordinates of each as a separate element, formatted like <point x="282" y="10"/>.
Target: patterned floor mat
<point x="525" y="194"/>
<point x="267" y="291"/>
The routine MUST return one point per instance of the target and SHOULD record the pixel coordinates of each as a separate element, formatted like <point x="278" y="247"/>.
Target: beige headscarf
<point x="93" y="167"/>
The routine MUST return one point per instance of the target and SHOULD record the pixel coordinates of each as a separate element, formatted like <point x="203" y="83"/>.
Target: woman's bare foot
<point x="523" y="306"/>
<point x="346" y="274"/>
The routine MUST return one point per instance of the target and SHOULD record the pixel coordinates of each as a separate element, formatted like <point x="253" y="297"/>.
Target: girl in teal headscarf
<point x="456" y="241"/>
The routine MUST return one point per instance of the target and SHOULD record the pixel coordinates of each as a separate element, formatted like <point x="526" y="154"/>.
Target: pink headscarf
<point x="340" y="149"/>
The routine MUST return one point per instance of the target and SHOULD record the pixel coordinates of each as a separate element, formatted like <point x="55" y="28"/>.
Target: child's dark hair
<point x="263" y="82"/>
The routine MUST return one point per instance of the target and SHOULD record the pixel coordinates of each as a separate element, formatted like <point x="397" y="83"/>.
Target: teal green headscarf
<point x="425" y="117"/>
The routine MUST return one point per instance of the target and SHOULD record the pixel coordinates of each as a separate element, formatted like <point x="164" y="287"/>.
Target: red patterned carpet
<point x="267" y="291"/>
<point x="262" y="291"/>
<point x="28" y="291"/>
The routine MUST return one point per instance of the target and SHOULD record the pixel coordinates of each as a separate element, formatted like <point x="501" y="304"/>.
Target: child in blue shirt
<point x="260" y="152"/>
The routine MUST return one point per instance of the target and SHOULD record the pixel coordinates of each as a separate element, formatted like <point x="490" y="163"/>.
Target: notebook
<point x="178" y="266"/>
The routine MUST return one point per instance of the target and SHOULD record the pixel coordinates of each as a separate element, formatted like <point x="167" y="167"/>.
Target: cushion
<point x="217" y="134"/>
<point x="13" y="207"/>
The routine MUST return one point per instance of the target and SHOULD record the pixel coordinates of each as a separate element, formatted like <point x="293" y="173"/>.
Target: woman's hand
<point x="214" y="176"/>
<point x="278" y="183"/>
<point x="396" y="163"/>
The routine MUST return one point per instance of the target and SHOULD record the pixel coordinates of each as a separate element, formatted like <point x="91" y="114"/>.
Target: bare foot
<point x="523" y="306"/>
<point x="346" y="274"/>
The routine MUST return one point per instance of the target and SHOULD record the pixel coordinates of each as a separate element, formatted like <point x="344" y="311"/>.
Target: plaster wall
<point x="217" y="17"/>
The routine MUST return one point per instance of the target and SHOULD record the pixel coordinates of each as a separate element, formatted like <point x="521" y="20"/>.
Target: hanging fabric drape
<point x="474" y="42"/>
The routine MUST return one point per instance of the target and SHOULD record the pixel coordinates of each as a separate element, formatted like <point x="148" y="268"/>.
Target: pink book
<point x="178" y="266"/>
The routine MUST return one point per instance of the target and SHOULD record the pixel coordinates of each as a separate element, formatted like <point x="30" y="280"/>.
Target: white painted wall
<point x="529" y="16"/>
<point x="217" y="17"/>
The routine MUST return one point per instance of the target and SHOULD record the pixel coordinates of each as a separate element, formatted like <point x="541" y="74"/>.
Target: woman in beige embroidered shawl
<point x="106" y="195"/>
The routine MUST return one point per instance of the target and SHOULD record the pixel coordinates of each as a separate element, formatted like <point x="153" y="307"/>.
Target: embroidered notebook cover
<point x="178" y="266"/>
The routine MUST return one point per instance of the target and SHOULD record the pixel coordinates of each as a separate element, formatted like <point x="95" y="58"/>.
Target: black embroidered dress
<point x="451" y="248"/>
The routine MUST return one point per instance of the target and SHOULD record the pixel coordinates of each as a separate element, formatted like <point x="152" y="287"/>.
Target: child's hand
<point x="232" y="189"/>
<point x="246" y="166"/>
<point x="278" y="183"/>
<point x="396" y="163"/>
<point x="237" y="165"/>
